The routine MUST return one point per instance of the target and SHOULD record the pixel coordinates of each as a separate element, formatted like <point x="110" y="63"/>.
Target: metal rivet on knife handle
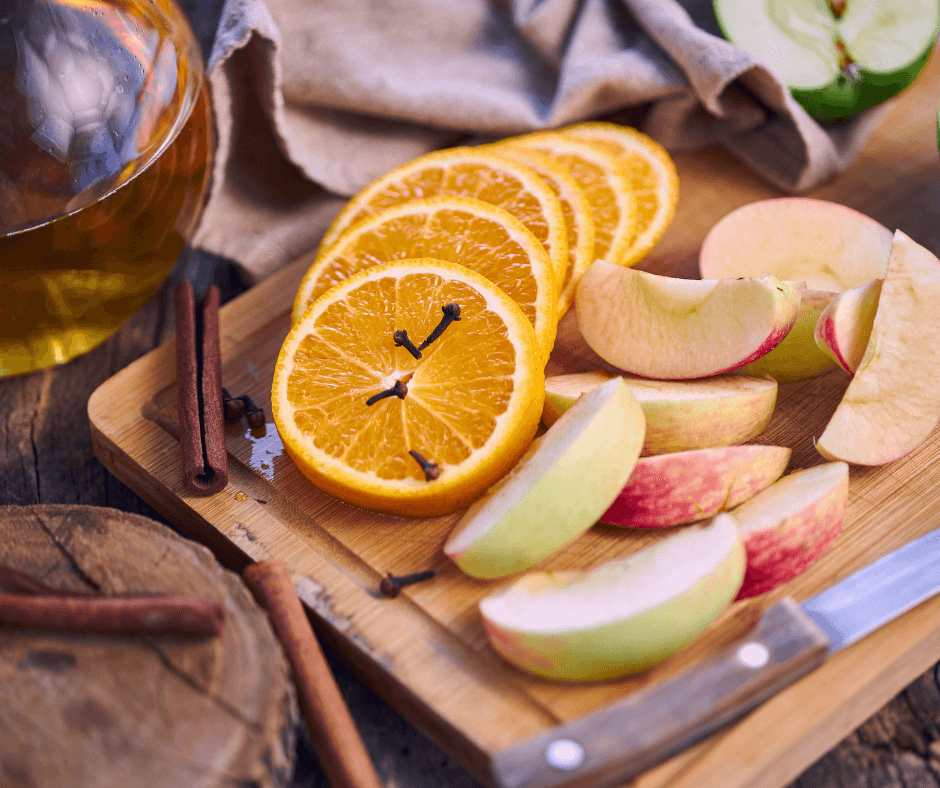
<point x="753" y="655"/>
<point x="564" y="754"/>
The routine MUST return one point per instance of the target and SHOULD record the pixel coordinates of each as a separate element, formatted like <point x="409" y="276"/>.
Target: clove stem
<point x="391" y="585"/>
<point x="399" y="390"/>
<point x="402" y="340"/>
<point x="431" y="469"/>
<point x="451" y="313"/>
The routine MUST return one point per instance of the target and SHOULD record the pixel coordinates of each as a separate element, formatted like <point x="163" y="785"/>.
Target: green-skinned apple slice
<point x="673" y="489"/>
<point x="844" y="326"/>
<point x="557" y="490"/>
<point x="623" y="616"/>
<point x="892" y="404"/>
<point x="680" y="414"/>
<point x="838" y="57"/>
<point x="824" y="244"/>
<point x="797" y="357"/>
<point x="677" y="329"/>
<point x="789" y="525"/>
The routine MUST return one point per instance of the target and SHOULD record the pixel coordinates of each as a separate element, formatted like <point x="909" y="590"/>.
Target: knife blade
<point x="626" y="738"/>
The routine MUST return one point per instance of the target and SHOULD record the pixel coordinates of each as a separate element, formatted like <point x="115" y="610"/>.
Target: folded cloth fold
<point x="315" y="98"/>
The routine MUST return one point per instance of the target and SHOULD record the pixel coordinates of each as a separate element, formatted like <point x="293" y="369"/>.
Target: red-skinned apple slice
<point x="844" y="327"/>
<point x="622" y="616"/>
<point x="677" y="329"/>
<point x="672" y="489"/>
<point x="680" y="414"/>
<point x="892" y="404"/>
<point x="789" y="525"/>
<point x="822" y="243"/>
<point x="798" y="357"/>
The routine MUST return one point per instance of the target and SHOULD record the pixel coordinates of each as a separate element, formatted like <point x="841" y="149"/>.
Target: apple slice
<point x="789" y="525"/>
<point x="893" y="403"/>
<point x="680" y="414"/>
<point x="676" y="329"/>
<point x="838" y="58"/>
<point x="557" y="490"/>
<point x="622" y="616"/>
<point x="827" y="245"/>
<point x="844" y="327"/>
<point x="797" y="357"/>
<point x="672" y="489"/>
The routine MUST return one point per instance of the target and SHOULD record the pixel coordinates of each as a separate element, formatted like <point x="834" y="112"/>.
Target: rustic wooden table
<point x="47" y="457"/>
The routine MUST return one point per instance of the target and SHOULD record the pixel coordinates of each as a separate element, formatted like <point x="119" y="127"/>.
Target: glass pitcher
<point x="105" y="148"/>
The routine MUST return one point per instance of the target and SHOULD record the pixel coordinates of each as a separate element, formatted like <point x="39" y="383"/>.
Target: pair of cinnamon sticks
<point x="199" y="383"/>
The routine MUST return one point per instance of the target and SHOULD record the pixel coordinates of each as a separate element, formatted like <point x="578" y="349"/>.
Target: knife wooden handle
<point x="624" y="739"/>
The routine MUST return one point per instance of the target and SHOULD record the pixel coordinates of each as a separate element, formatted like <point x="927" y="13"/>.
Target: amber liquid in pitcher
<point x="105" y="145"/>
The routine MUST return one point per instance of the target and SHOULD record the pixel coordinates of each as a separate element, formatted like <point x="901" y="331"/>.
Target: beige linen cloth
<point x="315" y="98"/>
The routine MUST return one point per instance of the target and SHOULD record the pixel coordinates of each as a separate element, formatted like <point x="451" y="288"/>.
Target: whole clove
<point x="392" y="585"/>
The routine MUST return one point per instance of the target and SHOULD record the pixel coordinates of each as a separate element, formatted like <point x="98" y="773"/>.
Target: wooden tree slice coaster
<point x="96" y="710"/>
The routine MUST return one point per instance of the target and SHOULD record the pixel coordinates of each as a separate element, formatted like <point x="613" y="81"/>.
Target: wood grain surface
<point x="98" y="710"/>
<point x="426" y="652"/>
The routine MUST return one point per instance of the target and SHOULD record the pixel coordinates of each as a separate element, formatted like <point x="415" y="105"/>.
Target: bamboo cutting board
<point x="426" y="651"/>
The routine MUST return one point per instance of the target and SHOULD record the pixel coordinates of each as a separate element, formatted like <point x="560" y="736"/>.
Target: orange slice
<point x="460" y="230"/>
<point x="470" y="405"/>
<point x="467" y="172"/>
<point x="653" y="178"/>
<point x="578" y="221"/>
<point x="603" y="181"/>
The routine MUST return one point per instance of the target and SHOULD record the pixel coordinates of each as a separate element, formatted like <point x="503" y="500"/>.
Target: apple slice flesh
<point x="789" y="525"/>
<point x="827" y="245"/>
<point x="677" y="329"/>
<point x="892" y="404"/>
<point x="680" y="414"/>
<point x="557" y="490"/>
<point x="844" y="327"/>
<point x="672" y="489"/>
<point x="623" y="616"/>
<point x="798" y="357"/>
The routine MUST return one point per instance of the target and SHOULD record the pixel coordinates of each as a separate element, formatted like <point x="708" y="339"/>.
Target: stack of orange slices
<point x="413" y="375"/>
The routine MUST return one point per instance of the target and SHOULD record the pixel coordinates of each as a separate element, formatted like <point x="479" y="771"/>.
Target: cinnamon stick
<point x="342" y="754"/>
<point x="199" y="376"/>
<point x="143" y="614"/>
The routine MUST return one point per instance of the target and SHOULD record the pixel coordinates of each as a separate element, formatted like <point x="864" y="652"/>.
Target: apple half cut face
<point x="673" y="489"/>
<point x="838" y="57"/>
<point x="789" y="525"/>
<point x="557" y="490"/>
<point x="824" y="244"/>
<point x="844" y="327"/>
<point x="678" y="329"/>
<point x="623" y="616"/>
<point x="680" y="414"/>
<point x="798" y="357"/>
<point x="892" y="404"/>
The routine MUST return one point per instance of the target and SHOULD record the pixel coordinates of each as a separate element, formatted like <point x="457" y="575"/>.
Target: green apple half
<point x="892" y="404"/>
<point x="557" y="490"/>
<point x="623" y="616"/>
<point x="680" y="414"/>
<point x="838" y="57"/>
